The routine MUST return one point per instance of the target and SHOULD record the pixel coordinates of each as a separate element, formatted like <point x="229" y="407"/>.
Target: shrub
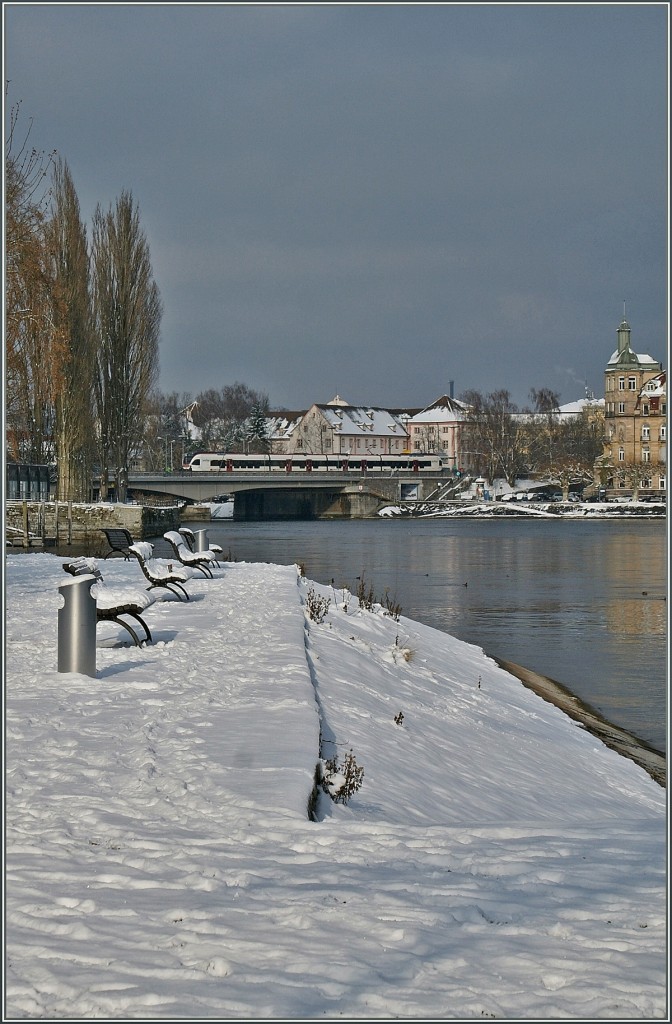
<point x="391" y="606"/>
<point x="366" y="597"/>
<point x="317" y="606"/>
<point x="340" y="782"/>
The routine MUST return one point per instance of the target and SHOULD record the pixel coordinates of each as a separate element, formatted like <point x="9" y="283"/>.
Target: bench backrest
<point x="118" y="539"/>
<point x="173" y="537"/>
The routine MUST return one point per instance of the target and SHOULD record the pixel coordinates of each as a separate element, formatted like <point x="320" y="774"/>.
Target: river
<point x="582" y="602"/>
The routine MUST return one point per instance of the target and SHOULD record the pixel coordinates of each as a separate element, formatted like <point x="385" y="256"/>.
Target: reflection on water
<point x="562" y="598"/>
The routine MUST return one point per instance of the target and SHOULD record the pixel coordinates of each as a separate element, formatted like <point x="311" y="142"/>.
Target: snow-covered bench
<point x="113" y="601"/>
<point x="159" y="572"/>
<point x="214" y="549"/>
<point x="200" y="560"/>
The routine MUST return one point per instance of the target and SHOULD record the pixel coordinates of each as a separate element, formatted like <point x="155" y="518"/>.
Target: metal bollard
<point x="77" y="626"/>
<point x="201" y="537"/>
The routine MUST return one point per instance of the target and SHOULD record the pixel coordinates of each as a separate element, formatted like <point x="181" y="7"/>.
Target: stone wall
<point x="52" y="523"/>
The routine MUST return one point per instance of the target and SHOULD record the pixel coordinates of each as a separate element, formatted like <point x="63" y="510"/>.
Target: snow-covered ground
<point x="536" y="509"/>
<point x="496" y="862"/>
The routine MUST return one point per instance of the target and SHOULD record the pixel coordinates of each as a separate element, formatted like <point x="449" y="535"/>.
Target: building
<point x="341" y="429"/>
<point x="281" y="428"/>
<point x="438" y="428"/>
<point x="635" y="420"/>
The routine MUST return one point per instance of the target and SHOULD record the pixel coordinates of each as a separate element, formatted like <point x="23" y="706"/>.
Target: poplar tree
<point x="66" y="236"/>
<point x="127" y="319"/>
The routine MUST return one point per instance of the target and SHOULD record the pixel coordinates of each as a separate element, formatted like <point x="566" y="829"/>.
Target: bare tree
<point x="565" y="449"/>
<point x="67" y="246"/>
<point x="30" y="332"/>
<point x="495" y="437"/>
<point x="223" y="416"/>
<point x="127" y="318"/>
<point x="167" y="429"/>
<point x="545" y="401"/>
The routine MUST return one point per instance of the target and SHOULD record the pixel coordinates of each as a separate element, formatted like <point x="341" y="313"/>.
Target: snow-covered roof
<point x="352" y="419"/>
<point x="656" y="387"/>
<point x="283" y="424"/>
<point x="444" y="409"/>
<point x="631" y="358"/>
<point x="575" y="408"/>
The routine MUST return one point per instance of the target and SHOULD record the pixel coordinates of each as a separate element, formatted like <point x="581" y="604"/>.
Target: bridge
<point x="295" y="495"/>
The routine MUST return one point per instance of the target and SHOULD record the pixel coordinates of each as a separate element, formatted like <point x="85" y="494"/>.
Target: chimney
<point x="451" y="388"/>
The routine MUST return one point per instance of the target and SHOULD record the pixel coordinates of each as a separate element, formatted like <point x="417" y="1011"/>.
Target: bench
<point x="201" y="561"/>
<point x="119" y="540"/>
<point x="158" y="572"/>
<point x="113" y="602"/>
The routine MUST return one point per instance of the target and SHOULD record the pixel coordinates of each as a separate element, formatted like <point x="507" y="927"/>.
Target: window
<point x="299" y="443"/>
<point x="663" y="433"/>
<point x="661" y="483"/>
<point x="327" y="442"/>
<point x="651" y="385"/>
<point x="621" y="383"/>
<point x="646" y="455"/>
<point x="621" y="455"/>
<point x="645" y="409"/>
<point x="646" y="433"/>
<point x="632" y="383"/>
<point x="646" y="482"/>
<point x="663" y="408"/>
<point x="621" y="407"/>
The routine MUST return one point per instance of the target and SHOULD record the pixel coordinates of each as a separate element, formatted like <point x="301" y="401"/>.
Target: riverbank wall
<point x="51" y="524"/>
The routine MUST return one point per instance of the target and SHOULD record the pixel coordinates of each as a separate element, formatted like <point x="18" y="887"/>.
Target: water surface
<point x="583" y="602"/>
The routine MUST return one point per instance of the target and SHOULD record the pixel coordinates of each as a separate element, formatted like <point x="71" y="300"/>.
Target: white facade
<point x="341" y="429"/>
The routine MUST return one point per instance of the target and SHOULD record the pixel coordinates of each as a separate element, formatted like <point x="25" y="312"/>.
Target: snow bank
<point x="497" y="861"/>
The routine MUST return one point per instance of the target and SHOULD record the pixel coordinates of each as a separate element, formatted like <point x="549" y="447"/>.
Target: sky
<point x="497" y="861"/>
<point x="371" y="200"/>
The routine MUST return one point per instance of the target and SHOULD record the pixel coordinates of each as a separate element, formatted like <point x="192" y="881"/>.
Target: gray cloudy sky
<point x="371" y="199"/>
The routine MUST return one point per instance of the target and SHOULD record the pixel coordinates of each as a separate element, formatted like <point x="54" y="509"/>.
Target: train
<point x="234" y="462"/>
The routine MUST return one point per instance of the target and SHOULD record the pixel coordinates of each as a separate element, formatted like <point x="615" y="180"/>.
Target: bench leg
<point x="120" y="622"/>
<point x="134" y="615"/>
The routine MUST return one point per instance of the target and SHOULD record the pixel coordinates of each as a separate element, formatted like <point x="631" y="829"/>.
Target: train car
<point x="235" y="462"/>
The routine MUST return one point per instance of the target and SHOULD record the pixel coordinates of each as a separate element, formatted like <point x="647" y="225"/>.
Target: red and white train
<point x="218" y="462"/>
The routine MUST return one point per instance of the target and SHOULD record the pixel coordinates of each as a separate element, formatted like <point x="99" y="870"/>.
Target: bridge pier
<point x="299" y="504"/>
